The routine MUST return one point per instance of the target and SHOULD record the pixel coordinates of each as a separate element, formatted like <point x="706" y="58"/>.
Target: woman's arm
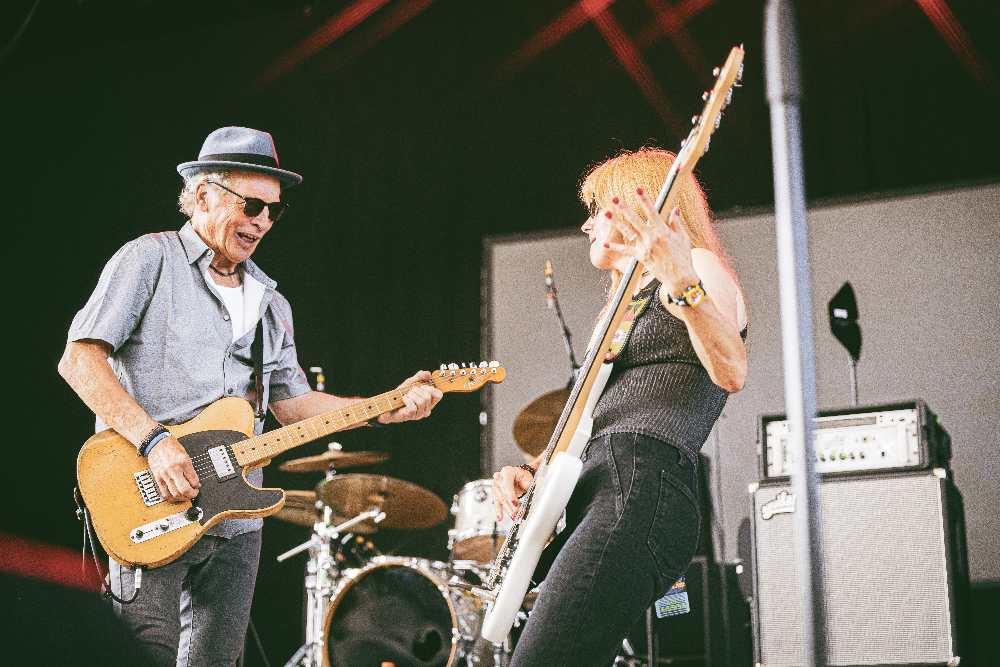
<point x="714" y="325"/>
<point x="664" y="249"/>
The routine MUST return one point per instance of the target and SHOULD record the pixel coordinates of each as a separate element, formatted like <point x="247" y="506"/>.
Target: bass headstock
<point x="718" y="98"/>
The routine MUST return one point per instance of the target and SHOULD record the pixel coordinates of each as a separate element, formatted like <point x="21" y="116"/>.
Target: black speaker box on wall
<point x="895" y="572"/>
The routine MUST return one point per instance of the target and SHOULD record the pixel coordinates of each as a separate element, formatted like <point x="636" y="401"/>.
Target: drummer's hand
<point x="419" y="400"/>
<point x="508" y="484"/>
<point x="172" y="470"/>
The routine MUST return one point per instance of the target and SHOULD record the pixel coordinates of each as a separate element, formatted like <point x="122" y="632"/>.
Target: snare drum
<point x="477" y="535"/>
<point x="395" y="610"/>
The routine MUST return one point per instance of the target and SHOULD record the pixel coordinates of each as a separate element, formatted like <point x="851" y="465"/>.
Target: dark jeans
<point x="195" y="610"/>
<point x="632" y="530"/>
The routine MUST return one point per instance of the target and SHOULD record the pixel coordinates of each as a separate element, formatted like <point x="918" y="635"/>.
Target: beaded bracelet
<point x="153" y="437"/>
<point x="526" y="466"/>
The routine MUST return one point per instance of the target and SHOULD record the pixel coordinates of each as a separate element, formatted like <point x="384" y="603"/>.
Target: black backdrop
<point x="415" y="144"/>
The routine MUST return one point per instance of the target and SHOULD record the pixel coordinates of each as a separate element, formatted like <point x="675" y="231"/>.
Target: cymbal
<point x="299" y="508"/>
<point x="406" y="505"/>
<point x="536" y="422"/>
<point x="334" y="457"/>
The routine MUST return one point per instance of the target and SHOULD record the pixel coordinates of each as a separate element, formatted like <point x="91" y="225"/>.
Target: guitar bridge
<point x="147" y="488"/>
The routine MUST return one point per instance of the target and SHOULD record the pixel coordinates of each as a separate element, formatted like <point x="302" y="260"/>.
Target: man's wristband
<point x="526" y="466"/>
<point x="154" y="436"/>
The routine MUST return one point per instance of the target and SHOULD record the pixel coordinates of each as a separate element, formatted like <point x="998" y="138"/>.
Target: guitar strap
<point x="634" y="309"/>
<point x="257" y="354"/>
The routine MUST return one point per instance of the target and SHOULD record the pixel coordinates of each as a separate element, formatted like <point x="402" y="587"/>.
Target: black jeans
<point x="632" y="530"/>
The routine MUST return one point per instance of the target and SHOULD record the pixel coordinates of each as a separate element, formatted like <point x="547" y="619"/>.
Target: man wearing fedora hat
<point x="170" y="329"/>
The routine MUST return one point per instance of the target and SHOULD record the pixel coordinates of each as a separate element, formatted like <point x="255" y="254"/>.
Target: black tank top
<point x="658" y="387"/>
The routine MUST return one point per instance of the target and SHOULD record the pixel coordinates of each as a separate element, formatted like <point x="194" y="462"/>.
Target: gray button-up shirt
<point x="172" y="336"/>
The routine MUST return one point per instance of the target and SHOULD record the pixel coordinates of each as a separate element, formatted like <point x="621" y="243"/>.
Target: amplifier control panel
<point x="854" y="442"/>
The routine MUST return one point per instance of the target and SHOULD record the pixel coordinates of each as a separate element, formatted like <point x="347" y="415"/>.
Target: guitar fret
<point x="268" y="445"/>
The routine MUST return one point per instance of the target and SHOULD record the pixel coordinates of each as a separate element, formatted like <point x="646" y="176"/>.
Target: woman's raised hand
<point x="662" y="247"/>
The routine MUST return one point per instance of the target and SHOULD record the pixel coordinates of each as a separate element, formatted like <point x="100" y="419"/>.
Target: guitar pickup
<point x="222" y="462"/>
<point x="147" y="488"/>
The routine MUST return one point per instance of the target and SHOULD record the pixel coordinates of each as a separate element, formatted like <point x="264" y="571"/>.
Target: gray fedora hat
<point x="239" y="149"/>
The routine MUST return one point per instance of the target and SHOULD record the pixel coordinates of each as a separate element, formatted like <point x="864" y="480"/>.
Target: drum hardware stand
<point x="324" y="534"/>
<point x="321" y="573"/>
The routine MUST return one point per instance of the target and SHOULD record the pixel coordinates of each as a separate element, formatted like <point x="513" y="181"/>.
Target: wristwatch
<point x="692" y="296"/>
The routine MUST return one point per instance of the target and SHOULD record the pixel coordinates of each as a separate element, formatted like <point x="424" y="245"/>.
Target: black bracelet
<point x="375" y="423"/>
<point x="527" y="466"/>
<point x="152" y="438"/>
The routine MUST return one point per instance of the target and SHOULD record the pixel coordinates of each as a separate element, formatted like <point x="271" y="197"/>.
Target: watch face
<point x="694" y="295"/>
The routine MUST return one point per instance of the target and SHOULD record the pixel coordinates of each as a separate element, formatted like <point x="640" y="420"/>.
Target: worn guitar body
<point x="107" y="466"/>
<point x="139" y="529"/>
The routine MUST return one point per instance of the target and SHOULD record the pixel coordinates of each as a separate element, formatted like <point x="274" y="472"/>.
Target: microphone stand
<point x="781" y="63"/>
<point x="550" y="292"/>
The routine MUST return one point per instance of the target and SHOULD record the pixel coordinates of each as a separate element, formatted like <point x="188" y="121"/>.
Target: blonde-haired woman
<point x="633" y="519"/>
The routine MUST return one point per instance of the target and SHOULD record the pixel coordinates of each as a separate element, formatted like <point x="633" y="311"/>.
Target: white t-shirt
<point x="243" y="304"/>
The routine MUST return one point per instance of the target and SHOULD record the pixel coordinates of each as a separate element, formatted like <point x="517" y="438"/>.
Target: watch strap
<point x="692" y="296"/>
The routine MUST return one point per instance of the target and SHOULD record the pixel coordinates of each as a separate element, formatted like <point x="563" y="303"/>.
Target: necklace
<point x="223" y="273"/>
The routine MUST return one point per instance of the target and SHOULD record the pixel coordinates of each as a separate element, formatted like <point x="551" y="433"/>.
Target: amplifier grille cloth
<point x="886" y="579"/>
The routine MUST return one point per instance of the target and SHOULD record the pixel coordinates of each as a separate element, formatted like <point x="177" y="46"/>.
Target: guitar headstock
<point x="468" y="377"/>
<point x="717" y="99"/>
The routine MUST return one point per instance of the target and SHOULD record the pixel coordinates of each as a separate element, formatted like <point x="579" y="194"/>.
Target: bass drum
<point x="394" y="610"/>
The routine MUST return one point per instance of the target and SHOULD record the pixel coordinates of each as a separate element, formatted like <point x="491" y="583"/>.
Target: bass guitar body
<point x="140" y="529"/>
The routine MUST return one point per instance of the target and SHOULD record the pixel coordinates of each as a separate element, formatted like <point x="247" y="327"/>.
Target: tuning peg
<point x="453" y="367"/>
<point x="718" y="122"/>
<point x="694" y="120"/>
<point x="463" y="365"/>
<point x="472" y="364"/>
<point x="494" y="364"/>
<point x="705" y="95"/>
<point x="739" y="73"/>
<point x="482" y="364"/>
<point x="707" y="142"/>
<point x="729" y="98"/>
<point x="444" y="367"/>
<point x="715" y="72"/>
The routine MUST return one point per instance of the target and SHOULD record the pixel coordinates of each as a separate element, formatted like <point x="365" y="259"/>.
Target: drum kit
<point x="363" y="608"/>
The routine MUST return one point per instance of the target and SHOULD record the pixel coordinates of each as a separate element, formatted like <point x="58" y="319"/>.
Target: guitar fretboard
<point x="268" y="445"/>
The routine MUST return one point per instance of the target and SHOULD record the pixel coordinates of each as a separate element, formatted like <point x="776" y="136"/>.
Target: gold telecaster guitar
<point x="557" y="475"/>
<point x="139" y="529"/>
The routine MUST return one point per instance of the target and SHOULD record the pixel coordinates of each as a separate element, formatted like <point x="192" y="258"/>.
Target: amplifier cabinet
<point x="897" y="437"/>
<point x="895" y="569"/>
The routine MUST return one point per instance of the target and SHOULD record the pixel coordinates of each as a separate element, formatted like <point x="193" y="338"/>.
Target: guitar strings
<point x="203" y="462"/>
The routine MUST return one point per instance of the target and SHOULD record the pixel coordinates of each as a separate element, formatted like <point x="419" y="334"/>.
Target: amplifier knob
<point x="861" y="454"/>
<point x="852" y="455"/>
<point x="822" y="457"/>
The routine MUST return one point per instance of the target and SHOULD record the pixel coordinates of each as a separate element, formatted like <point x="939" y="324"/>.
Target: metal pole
<point x="783" y="92"/>
<point x="854" y="380"/>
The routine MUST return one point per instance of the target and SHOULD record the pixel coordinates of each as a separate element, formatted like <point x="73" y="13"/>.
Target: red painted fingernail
<point x="614" y="200"/>
<point x="677" y="210"/>
<point x="606" y="245"/>
<point x="638" y="191"/>
<point x="607" y="214"/>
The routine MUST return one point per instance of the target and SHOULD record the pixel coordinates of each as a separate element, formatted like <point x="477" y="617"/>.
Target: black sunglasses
<point x="253" y="206"/>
